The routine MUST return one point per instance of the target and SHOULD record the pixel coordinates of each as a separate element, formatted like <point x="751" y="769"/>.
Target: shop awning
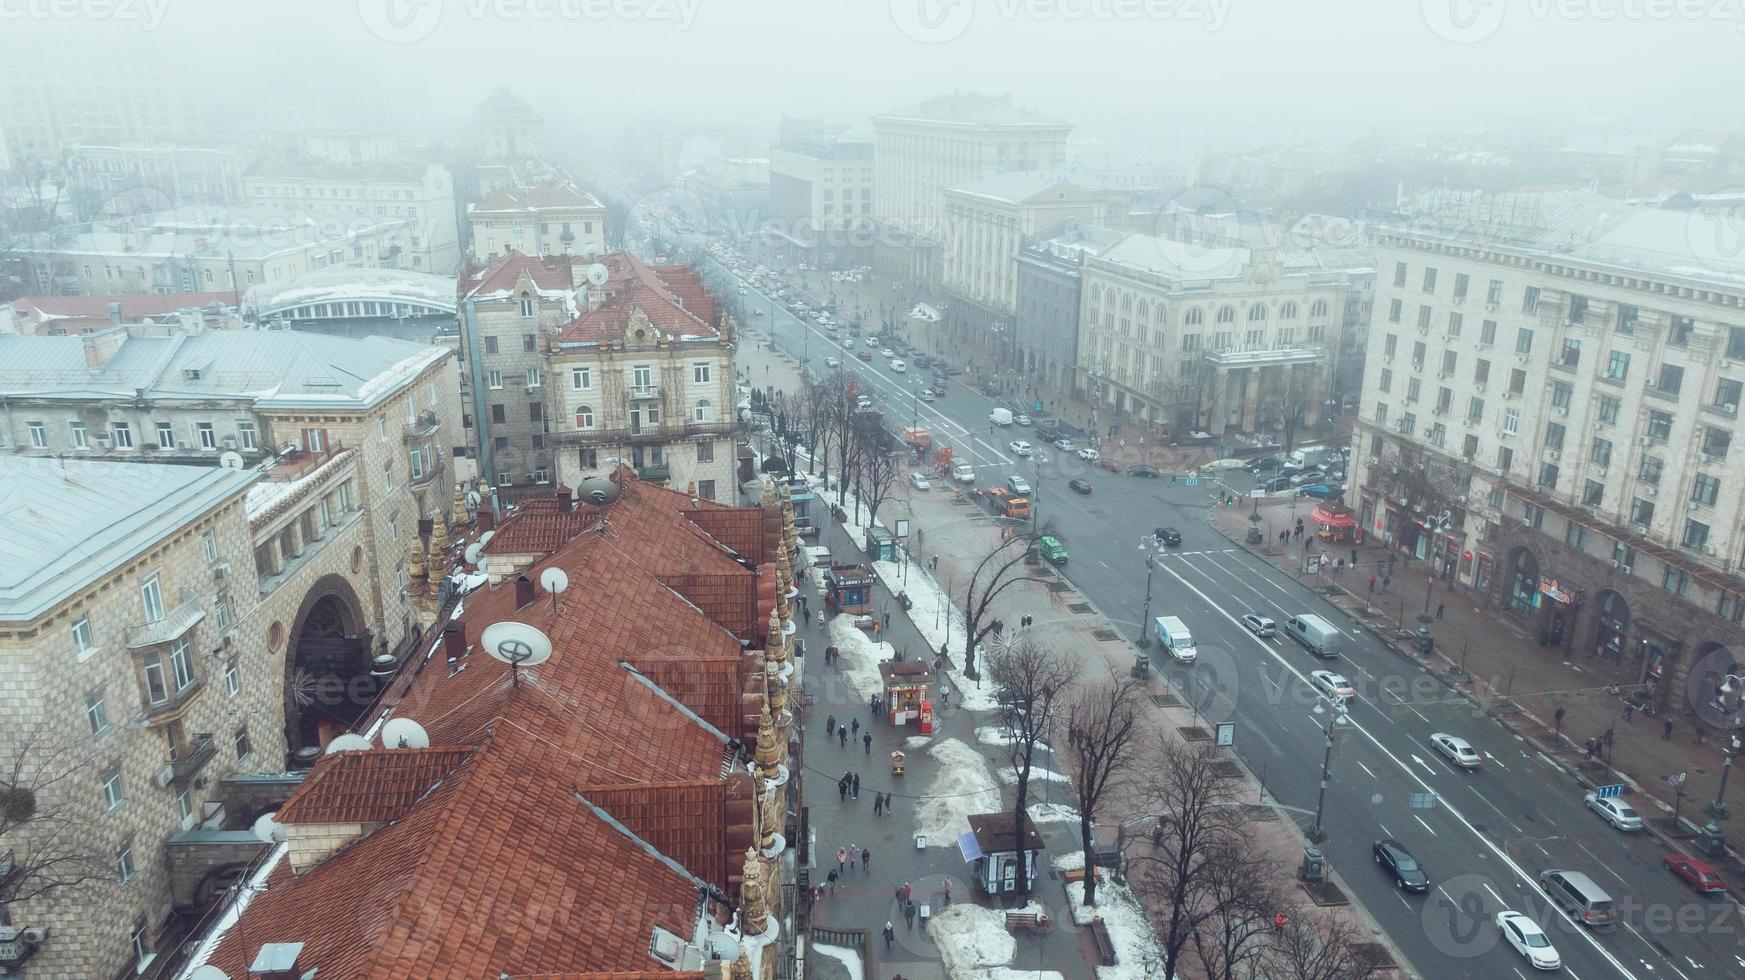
<point x="1321" y="515"/>
<point x="972" y="851"/>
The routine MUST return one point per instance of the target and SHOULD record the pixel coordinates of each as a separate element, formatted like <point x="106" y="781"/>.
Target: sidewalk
<point x="1496" y="660"/>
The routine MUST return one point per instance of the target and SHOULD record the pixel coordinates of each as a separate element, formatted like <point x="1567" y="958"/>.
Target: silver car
<point x="1614" y="811"/>
<point x="1259" y="625"/>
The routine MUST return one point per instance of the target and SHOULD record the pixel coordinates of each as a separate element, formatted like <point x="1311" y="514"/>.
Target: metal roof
<point x="342" y="284"/>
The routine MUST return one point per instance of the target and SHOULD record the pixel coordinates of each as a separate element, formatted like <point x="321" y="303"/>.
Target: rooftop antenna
<point x="598" y="274"/>
<point x="269" y="829"/>
<point x="347" y="743"/>
<point x="230" y="459"/>
<point x="404" y="733"/>
<point x="516" y="644"/>
<point x="554" y="580"/>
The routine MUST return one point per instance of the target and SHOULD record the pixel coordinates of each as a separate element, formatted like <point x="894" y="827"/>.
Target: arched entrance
<point x="1611" y="624"/>
<point x="327" y="667"/>
<point x="1523" y="589"/>
<point x="1702" y="686"/>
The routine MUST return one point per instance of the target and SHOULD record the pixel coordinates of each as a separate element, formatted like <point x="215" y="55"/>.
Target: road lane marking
<point x="1493" y="891"/>
<point x="1426" y="765"/>
<point x="1606" y="867"/>
<point x="1422" y="824"/>
<point x="1385" y="832"/>
<point x="1365" y="768"/>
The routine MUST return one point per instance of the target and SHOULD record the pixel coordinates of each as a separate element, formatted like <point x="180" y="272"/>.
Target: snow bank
<point x="1055" y="812"/>
<point x="1128" y="927"/>
<point x="962" y="786"/>
<point x="858" y="656"/>
<point x="848" y="957"/>
<point x="974" y="943"/>
<point x="1009" y="774"/>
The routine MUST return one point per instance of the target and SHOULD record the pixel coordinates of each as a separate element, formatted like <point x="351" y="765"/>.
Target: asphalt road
<point x="1482" y="836"/>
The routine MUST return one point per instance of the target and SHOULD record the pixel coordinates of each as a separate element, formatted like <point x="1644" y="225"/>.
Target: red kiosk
<point x="1336" y="523"/>
<point x="905" y="685"/>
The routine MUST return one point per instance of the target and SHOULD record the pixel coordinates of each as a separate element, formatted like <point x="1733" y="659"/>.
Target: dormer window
<point x="526" y="306"/>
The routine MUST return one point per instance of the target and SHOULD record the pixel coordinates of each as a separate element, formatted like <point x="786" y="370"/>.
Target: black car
<point x="1169" y="536"/>
<point x="1145" y="470"/>
<point x="1264" y="463"/>
<point x="1079" y="486"/>
<point x="1399" y="862"/>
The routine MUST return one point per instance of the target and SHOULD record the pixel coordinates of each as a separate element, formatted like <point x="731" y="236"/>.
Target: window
<point x="1475" y="408"/>
<point x="152" y="598"/>
<point x="38" y="435"/>
<point x="415" y="462"/>
<point x="704" y="411"/>
<point x="1429" y="279"/>
<point x="207" y="436"/>
<point x="1493" y="292"/>
<point x="498" y="414"/>
<point x="1574" y="535"/>
<point x="185" y="808"/>
<point x="1454" y="323"/>
<point x="1424" y="314"/>
<point x="1570" y="356"/>
<point x="706" y="489"/>
<point x="1523" y="341"/>
<point x="494" y="379"/>
<point x="541" y="476"/>
<point x="1627" y="315"/>
<point x="1696" y="534"/>
<point x="1381" y="413"/>
<point x="1641" y="511"/>
<point x="706" y="451"/>
<point x="1716" y="442"/>
<point x="1399" y="273"/>
<point x="490" y="345"/>
<point x="96" y="714"/>
<point x="1593" y="493"/>
<point x="1609" y="409"/>
<point x="1554" y="434"/>
<point x="1469" y="447"/>
<point x="113" y="797"/>
<point x="1735" y="343"/>
<point x="245" y="435"/>
<point x="1675" y="580"/>
<point x="529" y="343"/>
<point x="581" y="378"/>
<point x="1418" y="350"/>
<point x="700" y="373"/>
<point x="82" y="643"/>
<point x="1481" y="371"/>
<point x="209" y="546"/>
<point x="535" y="411"/>
<point x="584" y="417"/>
<point x="1600" y="452"/>
<point x="1505" y="462"/>
<point x="1671" y="379"/>
<point x="1450" y="361"/>
<point x="1460" y="282"/>
<point x="166" y="435"/>
<point x="641" y="376"/>
<point x="1412" y="387"/>
<point x="1548" y="476"/>
<point x="1560" y="395"/>
<point x="80" y="437"/>
<point x="221" y="608"/>
<point x="1618" y="368"/>
<point x="1388" y="343"/>
<point x="1650" y="470"/>
<point x="1487" y="332"/>
<point x="1530" y="300"/>
<point x="125" y="870"/>
<point x="1678" y="335"/>
<point x="588" y="459"/>
<point x="1706" y="490"/>
<point x="1727" y="393"/>
<point x="1409" y="424"/>
<point x="534" y="380"/>
<point x="1659" y="426"/>
<point x="1511" y="421"/>
<point x="1387" y="380"/>
<point x="244" y="748"/>
<point x="182" y="664"/>
<point x="1517" y="381"/>
<point x="527" y="308"/>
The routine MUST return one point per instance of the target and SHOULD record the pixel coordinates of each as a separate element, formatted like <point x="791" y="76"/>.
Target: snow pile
<point x="858" y="656"/>
<point x="974" y="943"/>
<point x="848" y="957"/>
<point x="1054" y="812"/>
<point x="1129" y="929"/>
<point x="962" y="786"/>
<point x="1037" y="773"/>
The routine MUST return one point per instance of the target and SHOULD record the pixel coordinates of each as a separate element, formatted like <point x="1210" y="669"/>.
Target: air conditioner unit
<point x="1652" y="383"/>
<point x="103" y="441"/>
<point x="1614" y="563"/>
<point x="1599" y="471"/>
<point x="1482" y="346"/>
<point x="1520" y="358"/>
<point x="35" y="936"/>
<point x="1459" y="300"/>
<point x="1627" y="569"/>
<point x="1490" y="307"/>
<point x="1441" y="375"/>
<point x="1553" y="455"/>
<point x="1374" y="460"/>
<point x="181" y="444"/>
<point x="1647" y="440"/>
<point x="1730" y="409"/>
<point x="221" y="572"/>
<point x="1466" y="422"/>
<point x="1708" y="551"/>
<point x="165" y="775"/>
<point x="1653" y="491"/>
<point x="1478" y="388"/>
<point x="1560" y="409"/>
<point x="228" y="442"/>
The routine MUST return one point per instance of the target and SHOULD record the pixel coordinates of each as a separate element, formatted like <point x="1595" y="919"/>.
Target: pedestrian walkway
<point x="1560" y="703"/>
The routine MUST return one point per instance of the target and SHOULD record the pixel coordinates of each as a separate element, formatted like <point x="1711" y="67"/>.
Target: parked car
<point x="920" y="481"/>
<point x="1145" y="470"/>
<point x="1079" y="486"/>
<point x="1168" y="535"/>
<point x="1695" y="873"/>
<point x="1019" y="447"/>
<point x="1021" y="419"/>
<point x="1320" y="491"/>
<point x="1458" y="750"/>
<point x="1399" y="863"/>
<point x="1333" y="685"/>
<point x="1259" y="625"/>
<point x="1089" y="455"/>
<point x="1613" y="811"/>
<point x="1064" y="445"/>
<point x="899" y="367"/>
<point x="1276" y="484"/>
<point x="1522" y="933"/>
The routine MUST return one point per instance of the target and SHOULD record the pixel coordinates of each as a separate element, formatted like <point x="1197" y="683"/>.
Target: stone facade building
<point x="1551" y="425"/>
<point x="821" y="200"/>
<point x="1048" y="279"/>
<point x="548" y="219"/>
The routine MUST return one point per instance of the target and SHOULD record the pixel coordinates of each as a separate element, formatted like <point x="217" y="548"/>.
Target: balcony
<point x="192" y="757"/>
<point x="432" y="469"/>
<point x="637" y="393"/>
<point x="176" y="706"/>
<point x="173" y="624"/>
<point x="655" y="473"/>
<point x="423" y="426"/>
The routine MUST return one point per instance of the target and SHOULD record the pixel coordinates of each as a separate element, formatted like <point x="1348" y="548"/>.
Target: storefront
<point x="1612" y="622"/>
<point x="1558" y="626"/>
<point x="991" y="851"/>
<point x="1334" y="523"/>
<point x="905" y="684"/>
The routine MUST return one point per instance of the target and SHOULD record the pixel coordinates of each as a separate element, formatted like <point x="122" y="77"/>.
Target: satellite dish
<point x="208" y="973"/>
<point x="485" y="539"/>
<point x="347" y="743"/>
<point x="597" y="274"/>
<point x="268" y="828"/>
<point x="404" y="733"/>
<point x="472" y="553"/>
<point x="516" y="644"/>
<point x="230" y="459"/>
<point x="598" y="490"/>
<point x="473" y="499"/>
<point x="554" y="580"/>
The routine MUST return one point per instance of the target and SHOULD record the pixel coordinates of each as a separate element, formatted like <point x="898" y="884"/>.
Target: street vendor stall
<point x="991" y="851"/>
<point x="801" y="495"/>
<point x="880" y="545"/>
<point x="848" y="589"/>
<point x="905" y="685"/>
<point x="1335" y="523"/>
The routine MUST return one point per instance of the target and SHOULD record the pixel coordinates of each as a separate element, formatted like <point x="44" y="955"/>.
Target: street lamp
<point x="1145" y="617"/>
<point x="1336" y="725"/>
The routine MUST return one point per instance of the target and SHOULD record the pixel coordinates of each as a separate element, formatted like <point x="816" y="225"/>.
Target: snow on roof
<point x="1176" y="260"/>
<point x="330" y="285"/>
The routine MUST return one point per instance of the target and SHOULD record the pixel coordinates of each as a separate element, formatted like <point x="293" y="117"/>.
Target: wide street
<point x="1483" y="836"/>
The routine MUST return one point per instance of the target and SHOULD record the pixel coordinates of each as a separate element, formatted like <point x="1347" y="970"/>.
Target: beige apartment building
<point x="821" y="200"/>
<point x="1180" y="337"/>
<point x="1548" y="416"/>
<point x="551" y="219"/>
<point x="417" y="194"/>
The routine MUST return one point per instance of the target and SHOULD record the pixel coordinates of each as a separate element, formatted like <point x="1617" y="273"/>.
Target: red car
<point x="865" y="355"/>
<point x="1700" y="876"/>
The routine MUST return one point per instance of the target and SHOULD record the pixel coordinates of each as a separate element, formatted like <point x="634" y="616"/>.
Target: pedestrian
<point x="1372" y="585"/>
<point x="944" y="695"/>
<point x="887" y="619"/>
<point x="1666" y="730"/>
<point x="1629" y="709"/>
<point x="856" y="726"/>
<point x="842" y="789"/>
<point x="1439" y="610"/>
<point x="866" y="860"/>
<point x="947" y="891"/>
<point x="853" y="856"/>
<point x="1588" y="752"/>
<point x="890" y="934"/>
<point x="830" y="725"/>
<point x="818" y="893"/>
<point x="1386" y="583"/>
<point x="803" y="614"/>
<point x="820" y="619"/>
<point x="908" y="893"/>
<point x="878" y="804"/>
<point x="909" y="914"/>
<point x="856" y="792"/>
<point x="832" y="882"/>
<point x="933" y="565"/>
<point x="841" y="857"/>
<point x="842" y="735"/>
<point x="866" y="740"/>
<point x="1354" y="558"/>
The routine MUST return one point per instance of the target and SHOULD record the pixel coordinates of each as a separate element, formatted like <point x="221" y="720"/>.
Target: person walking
<point x="803" y="614"/>
<point x="1629" y="709"/>
<point x="841" y="857"/>
<point x="856" y="727"/>
<point x="908" y="893"/>
<point x="909" y="914"/>
<point x="947" y="891"/>
<point x="842" y="735"/>
<point x="1666" y="731"/>
<point x="878" y="804"/>
<point x="831" y="881"/>
<point x="856" y="791"/>
<point x="890" y="934"/>
<point x="866" y="740"/>
<point x="1439" y="610"/>
<point x="1372" y="585"/>
<point x="853" y="856"/>
<point x="866" y="860"/>
<point x="842" y="789"/>
<point x="830" y="725"/>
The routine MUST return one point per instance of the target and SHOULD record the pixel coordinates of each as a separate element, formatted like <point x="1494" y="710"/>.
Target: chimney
<point x="524" y="592"/>
<point x="454" y="641"/>
<point x="486" y="518"/>
<point x="115" y="313"/>
<point x="101" y="345"/>
<point x="563" y="500"/>
<point x="276" y="961"/>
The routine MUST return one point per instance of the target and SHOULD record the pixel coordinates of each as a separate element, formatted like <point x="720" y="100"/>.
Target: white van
<point x="1000" y="416"/>
<point x="1173" y="635"/>
<point x="1316" y="634"/>
<point x="963" y="472"/>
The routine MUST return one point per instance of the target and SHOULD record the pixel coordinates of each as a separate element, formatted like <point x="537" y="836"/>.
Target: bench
<point x="1026" y="920"/>
<point x="1105" y="945"/>
<point x="1077" y="876"/>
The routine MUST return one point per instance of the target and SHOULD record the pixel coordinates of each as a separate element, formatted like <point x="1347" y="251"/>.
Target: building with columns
<point x="655" y="799"/>
<point x="1179" y="337"/>
<point x="1550" y="396"/>
<point x="987" y="223"/>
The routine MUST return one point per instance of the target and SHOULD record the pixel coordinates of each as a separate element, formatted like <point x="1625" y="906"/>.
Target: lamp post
<point x="1336" y="724"/>
<point x="1145" y="617"/>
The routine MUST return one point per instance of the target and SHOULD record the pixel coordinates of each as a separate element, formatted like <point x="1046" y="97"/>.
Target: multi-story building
<point x="1048" y="279"/>
<point x="821" y="191"/>
<point x="987" y="222"/>
<point x="245" y="506"/>
<point x="509" y="310"/>
<point x="1548" y="416"/>
<point x="48" y="106"/>
<point x="64" y="316"/>
<point x="416" y="193"/>
<point x="645" y="378"/>
<point x="215" y="250"/>
<point x="1188" y="336"/>
<point x="548" y="219"/>
<point x="507" y="129"/>
<point x="178" y="175"/>
<point x="920" y="150"/>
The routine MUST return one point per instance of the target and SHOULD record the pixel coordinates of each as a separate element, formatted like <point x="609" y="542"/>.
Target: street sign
<point x="1676" y="779"/>
<point x="902" y="527"/>
<point x="1606" y="792"/>
<point x="1423" y="801"/>
<point x="1226" y="733"/>
<point x="1193" y="481"/>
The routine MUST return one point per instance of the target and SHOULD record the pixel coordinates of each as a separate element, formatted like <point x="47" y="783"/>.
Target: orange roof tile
<point x="611" y="319"/>
<point x="547" y="272"/>
<point x="368" y="787"/>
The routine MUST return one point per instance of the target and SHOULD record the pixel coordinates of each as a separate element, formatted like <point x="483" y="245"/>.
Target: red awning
<point x="1329" y="519"/>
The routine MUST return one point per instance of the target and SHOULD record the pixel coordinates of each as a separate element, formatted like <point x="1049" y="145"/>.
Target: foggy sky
<point x="1225" y="72"/>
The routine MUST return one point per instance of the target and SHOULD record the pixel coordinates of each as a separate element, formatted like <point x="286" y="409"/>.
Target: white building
<point x="1551" y="393"/>
<point x="821" y="198"/>
<point x="419" y="194"/>
<point x="182" y="175"/>
<point x="507" y="129"/>
<point x="549" y="219"/>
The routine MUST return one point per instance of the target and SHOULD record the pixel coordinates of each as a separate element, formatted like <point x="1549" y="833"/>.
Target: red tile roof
<point x="610" y="321"/>
<point x="368" y="787"/>
<point x="551" y="272"/>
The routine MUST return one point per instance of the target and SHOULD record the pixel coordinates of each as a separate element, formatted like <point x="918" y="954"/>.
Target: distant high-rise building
<point x="507" y="129"/>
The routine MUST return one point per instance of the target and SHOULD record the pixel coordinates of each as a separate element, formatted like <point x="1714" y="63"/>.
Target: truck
<point x="1172" y="635"/>
<point x="1000" y="416"/>
<point x="1309" y="456"/>
<point x="1008" y="504"/>
<point x="917" y="439"/>
<point x="1317" y="635"/>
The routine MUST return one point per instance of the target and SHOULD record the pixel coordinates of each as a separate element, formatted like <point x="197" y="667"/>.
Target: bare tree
<point x="1102" y="738"/>
<point x="1032" y="680"/>
<point x="1233" y="943"/>
<point x="875" y="464"/>
<point x="30" y="212"/>
<point x="1289" y="403"/>
<point x="998" y="570"/>
<point x="818" y="396"/>
<point x="1200" y="826"/>
<point x="787" y="425"/>
<point x="40" y="824"/>
<point x="1318" y="946"/>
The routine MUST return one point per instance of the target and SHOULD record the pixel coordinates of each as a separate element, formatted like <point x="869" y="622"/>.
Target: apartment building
<point x="180" y="175"/>
<point x="821" y="200"/>
<point x="1179" y="336"/>
<point x="507" y="130"/>
<point x="49" y="106"/>
<point x="1048" y="282"/>
<point x="1548" y="415"/>
<point x="421" y="195"/>
<point x="557" y="218"/>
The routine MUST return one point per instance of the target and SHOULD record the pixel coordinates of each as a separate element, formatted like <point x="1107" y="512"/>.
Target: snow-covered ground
<point x="848" y="957"/>
<point x="975" y="944"/>
<point x="858" y="656"/>
<point x="1054" y="812"/>
<point x="1128" y="927"/>
<point x="962" y="786"/>
<point x="1009" y="774"/>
